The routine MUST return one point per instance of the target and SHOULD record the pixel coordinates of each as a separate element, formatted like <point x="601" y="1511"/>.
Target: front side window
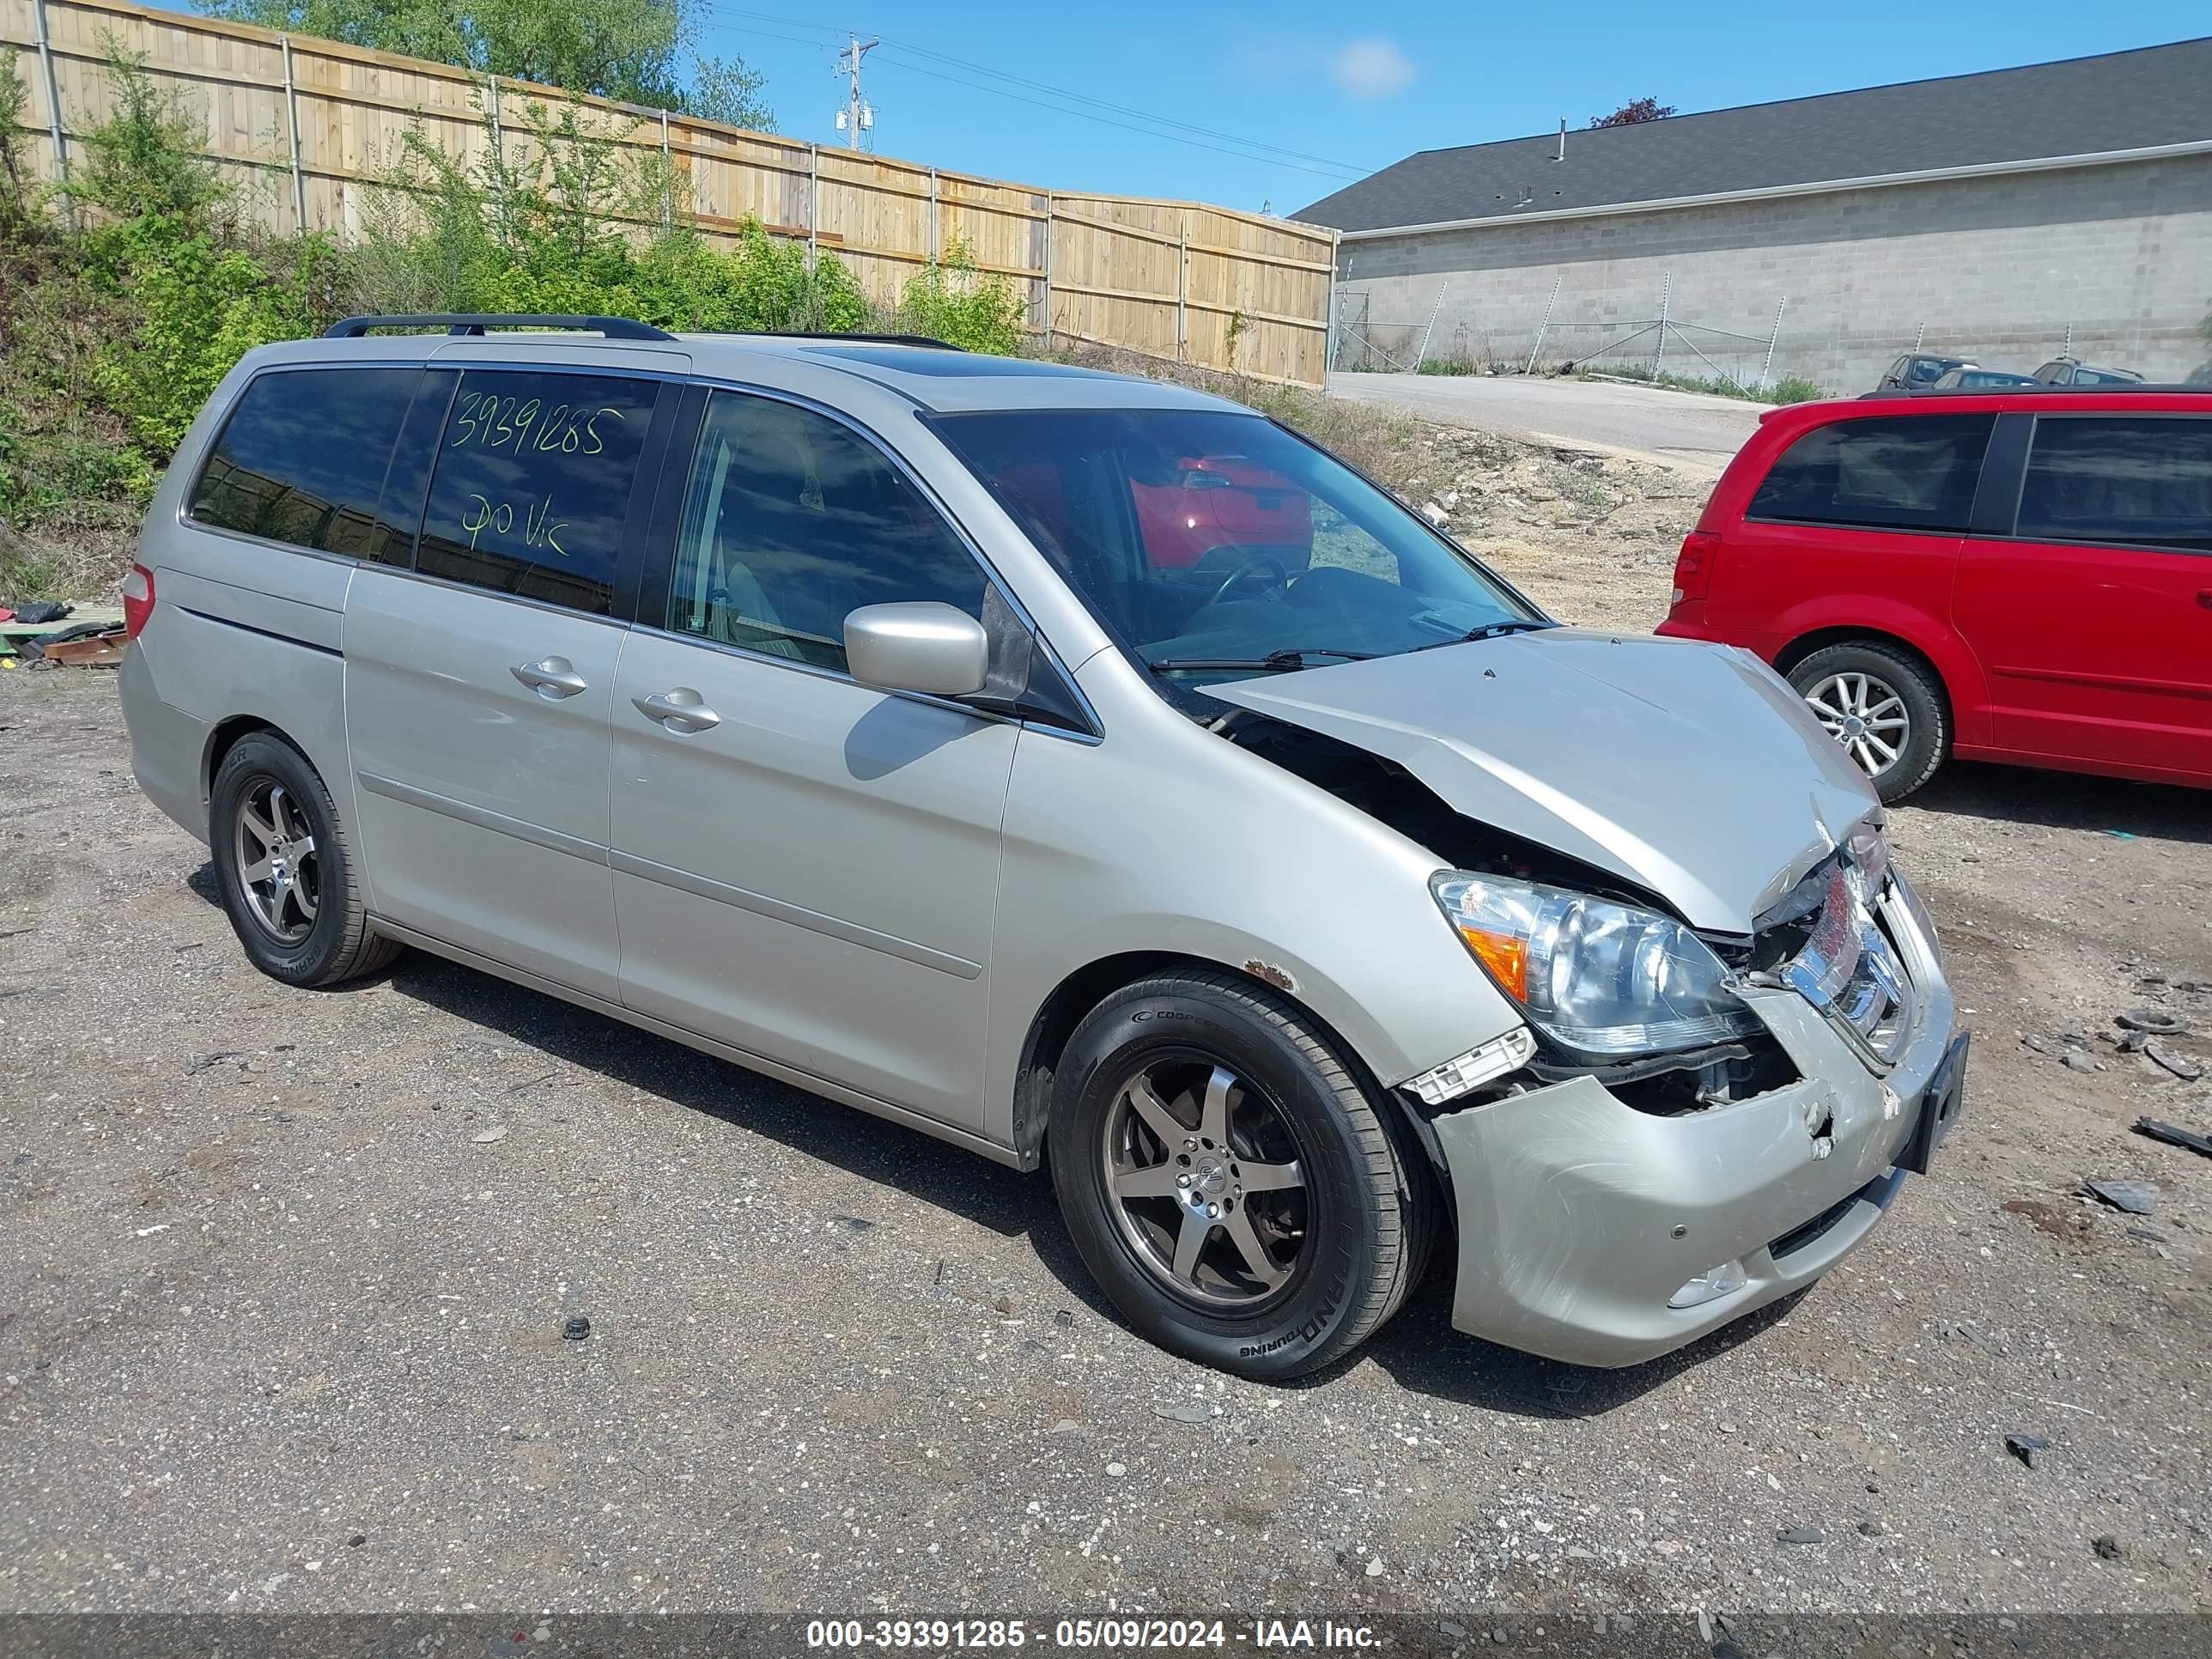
<point x="792" y="522"/>
<point x="1209" y="542"/>
<point x="301" y="458"/>
<point x="2119" y="478"/>
<point x="530" y="492"/>
<point x="1905" y="473"/>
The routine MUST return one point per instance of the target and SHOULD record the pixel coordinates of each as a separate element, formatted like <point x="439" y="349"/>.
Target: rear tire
<point x="286" y="868"/>
<point x="1270" y="1224"/>
<point x="1884" y="707"/>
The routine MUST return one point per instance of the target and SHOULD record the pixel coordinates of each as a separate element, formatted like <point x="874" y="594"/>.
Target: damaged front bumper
<point x="1582" y="1220"/>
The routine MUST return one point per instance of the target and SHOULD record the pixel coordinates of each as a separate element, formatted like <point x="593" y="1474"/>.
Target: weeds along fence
<point x="311" y="126"/>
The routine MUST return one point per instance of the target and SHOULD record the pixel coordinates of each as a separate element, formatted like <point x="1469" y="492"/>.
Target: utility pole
<point x="856" y="116"/>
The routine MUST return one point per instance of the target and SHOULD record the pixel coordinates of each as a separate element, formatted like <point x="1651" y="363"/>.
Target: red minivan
<point x="2023" y="575"/>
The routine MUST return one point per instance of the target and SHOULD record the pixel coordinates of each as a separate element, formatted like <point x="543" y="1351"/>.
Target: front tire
<point x="286" y="868"/>
<point x="1228" y="1180"/>
<point x="1884" y="707"/>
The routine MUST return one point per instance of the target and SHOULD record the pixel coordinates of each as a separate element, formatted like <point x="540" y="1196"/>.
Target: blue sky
<point x="1351" y="84"/>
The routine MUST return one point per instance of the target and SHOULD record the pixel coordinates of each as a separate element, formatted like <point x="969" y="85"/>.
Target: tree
<point x="636" y="51"/>
<point x="1634" y="113"/>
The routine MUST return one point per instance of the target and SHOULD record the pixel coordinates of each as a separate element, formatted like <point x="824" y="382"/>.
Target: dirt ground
<point x="283" y="1277"/>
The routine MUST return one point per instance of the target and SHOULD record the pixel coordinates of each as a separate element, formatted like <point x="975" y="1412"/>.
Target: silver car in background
<point x="1086" y="771"/>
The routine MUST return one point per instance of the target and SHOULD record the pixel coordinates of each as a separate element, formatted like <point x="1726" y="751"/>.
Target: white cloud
<point x="1371" y="67"/>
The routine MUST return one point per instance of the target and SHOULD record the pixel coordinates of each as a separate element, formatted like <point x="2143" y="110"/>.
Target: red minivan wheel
<point x="1884" y="707"/>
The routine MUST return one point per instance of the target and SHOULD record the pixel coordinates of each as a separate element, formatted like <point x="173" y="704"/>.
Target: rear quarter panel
<point x="243" y="627"/>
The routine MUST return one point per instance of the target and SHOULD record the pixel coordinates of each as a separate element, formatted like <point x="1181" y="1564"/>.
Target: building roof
<point x="2121" y="101"/>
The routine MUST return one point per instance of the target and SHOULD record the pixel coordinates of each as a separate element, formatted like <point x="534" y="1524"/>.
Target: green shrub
<point x="954" y="301"/>
<point x="199" y="309"/>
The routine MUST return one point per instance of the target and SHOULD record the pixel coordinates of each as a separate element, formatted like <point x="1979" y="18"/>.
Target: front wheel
<point x="1228" y="1181"/>
<point x="1885" y="709"/>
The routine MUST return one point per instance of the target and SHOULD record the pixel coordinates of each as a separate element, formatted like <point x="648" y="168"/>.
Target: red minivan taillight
<point x="1693" y="565"/>
<point x="138" y="601"/>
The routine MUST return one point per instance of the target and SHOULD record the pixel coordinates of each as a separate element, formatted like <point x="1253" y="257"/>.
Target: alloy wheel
<point x="1203" y="1180"/>
<point x="277" y="869"/>
<point x="1864" y="714"/>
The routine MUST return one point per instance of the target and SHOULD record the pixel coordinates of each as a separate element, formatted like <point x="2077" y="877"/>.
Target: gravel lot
<point x="283" y="1277"/>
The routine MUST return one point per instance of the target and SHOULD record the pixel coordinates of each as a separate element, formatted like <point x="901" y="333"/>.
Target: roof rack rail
<point x="474" y="323"/>
<point x="862" y="340"/>
<point x="2041" y="388"/>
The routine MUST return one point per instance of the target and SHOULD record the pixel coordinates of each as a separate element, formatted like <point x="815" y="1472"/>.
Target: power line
<point x="1176" y="138"/>
<point x="1248" y="149"/>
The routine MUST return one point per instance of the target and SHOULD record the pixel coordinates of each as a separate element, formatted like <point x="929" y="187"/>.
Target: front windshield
<point x="1216" y="544"/>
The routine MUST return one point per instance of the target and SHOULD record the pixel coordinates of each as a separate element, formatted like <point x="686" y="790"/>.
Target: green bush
<point x="200" y="308"/>
<point x="954" y="301"/>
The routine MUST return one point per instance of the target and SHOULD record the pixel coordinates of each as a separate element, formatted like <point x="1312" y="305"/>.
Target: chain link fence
<point x="1793" y="356"/>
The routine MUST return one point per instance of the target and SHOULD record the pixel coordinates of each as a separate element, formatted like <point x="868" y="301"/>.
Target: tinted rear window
<point x="530" y="495"/>
<point x="1904" y="473"/>
<point x="2120" y="478"/>
<point x="302" y="457"/>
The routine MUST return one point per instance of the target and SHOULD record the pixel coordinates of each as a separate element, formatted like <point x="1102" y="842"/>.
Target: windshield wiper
<point x="1492" y="631"/>
<point x="1275" y="662"/>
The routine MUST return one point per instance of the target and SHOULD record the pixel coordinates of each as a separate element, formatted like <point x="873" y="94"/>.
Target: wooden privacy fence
<point x="313" y="125"/>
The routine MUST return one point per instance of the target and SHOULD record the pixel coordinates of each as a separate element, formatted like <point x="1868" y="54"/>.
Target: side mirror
<point x="924" y="645"/>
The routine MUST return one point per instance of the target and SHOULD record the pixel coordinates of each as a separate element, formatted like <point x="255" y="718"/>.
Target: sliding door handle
<point x="553" y="678"/>
<point x="680" y="710"/>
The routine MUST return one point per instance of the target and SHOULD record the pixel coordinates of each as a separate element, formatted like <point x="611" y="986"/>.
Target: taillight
<point x="1693" y="565"/>
<point x="138" y="601"/>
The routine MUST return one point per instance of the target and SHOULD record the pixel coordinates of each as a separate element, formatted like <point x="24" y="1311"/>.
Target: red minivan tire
<point x="1885" y="705"/>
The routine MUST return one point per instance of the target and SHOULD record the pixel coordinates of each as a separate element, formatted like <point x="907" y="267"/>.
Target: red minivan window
<point x="1909" y="472"/>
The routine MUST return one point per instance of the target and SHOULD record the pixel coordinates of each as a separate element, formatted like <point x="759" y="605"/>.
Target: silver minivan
<point x="1084" y="770"/>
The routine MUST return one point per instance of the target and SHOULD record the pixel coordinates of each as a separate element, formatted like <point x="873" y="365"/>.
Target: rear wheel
<point x="1884" y="708"/>
<point x="286" y="868"/>
<point x="1227" y="1179"/>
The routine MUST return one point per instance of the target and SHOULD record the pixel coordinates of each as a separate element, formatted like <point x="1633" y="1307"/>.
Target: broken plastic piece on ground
<point x="2163" y="1057"/>
<point x="2025" y="1446"/>
<point x="2174" y="1135"/>
<point x="2136" y="1197"/>
<point x="2160" y="1022"/>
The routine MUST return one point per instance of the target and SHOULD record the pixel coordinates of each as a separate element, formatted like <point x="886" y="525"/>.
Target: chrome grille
<point x="1848" y="965"/>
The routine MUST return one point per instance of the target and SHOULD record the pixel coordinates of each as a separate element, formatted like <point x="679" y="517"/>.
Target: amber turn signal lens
<point x="1506" y="955"/>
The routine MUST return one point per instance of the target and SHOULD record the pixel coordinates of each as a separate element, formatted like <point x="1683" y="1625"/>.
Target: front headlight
<point x="1597" y="977"/>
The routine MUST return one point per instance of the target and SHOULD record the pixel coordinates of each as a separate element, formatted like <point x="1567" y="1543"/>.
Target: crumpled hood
<point x="1692" y="769"/>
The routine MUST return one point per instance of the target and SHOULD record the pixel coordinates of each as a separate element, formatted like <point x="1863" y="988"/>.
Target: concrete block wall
<point x="1995" y="268"/>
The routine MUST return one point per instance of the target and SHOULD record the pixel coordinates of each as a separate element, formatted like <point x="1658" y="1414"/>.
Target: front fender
<point x="1174" y="842"/>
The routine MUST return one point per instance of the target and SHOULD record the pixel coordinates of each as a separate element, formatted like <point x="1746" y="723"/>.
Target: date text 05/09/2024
<point x="1111" y="1634"/>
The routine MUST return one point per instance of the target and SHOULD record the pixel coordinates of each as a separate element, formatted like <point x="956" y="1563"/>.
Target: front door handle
<point x="2204" y="598"/>
<point x="553" y="678"/>
<point x="680" y="710"/>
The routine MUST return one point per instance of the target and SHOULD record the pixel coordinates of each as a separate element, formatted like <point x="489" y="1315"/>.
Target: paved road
<point x="1681" y="427"/>
<point x="283" y="1276"/>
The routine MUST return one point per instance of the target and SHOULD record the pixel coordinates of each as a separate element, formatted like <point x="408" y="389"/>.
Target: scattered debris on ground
<point x="2136" y="1197"/>
<point x="2178" y="1137"/>
<point x="2026" y="1447"/>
